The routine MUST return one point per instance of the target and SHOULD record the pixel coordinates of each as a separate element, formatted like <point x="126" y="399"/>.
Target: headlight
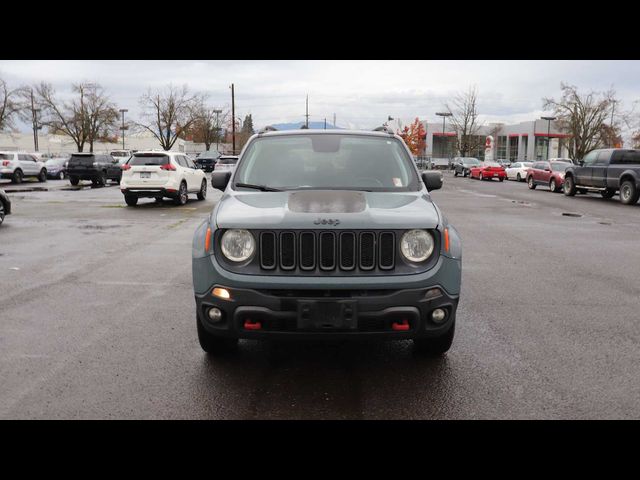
<point x="416" y="245"/>
<point x="238" y="245"/>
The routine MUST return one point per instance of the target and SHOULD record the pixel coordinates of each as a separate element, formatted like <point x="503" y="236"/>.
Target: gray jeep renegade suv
<point x="326" y="234"/>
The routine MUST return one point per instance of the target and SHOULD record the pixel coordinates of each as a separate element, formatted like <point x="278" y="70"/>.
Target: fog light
<point x="221" y="293"/>
<point x="438" y="315"/>
<point x="215" y="314"/>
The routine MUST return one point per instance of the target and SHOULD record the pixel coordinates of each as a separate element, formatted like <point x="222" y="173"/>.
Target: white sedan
<point x="518" y="171"/>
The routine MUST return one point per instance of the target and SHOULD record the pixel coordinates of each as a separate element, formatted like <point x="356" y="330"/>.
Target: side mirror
<point x="220" y="180"/>
<point x="432" y="179"/>
<point x="547" y="169"/>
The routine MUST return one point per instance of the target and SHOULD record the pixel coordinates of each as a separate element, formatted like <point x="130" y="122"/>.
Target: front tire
<point x="553" y="187"/>
<point x="455" y="173"/>
<point x="74" y="181"/>
<point x="1" y="212"/>
<point x="629" y="193"/>
<point x="480" y="176"/>
<point x="213" y="344"/>
<point x="435" y="347"/>
<point x="131" y="200"/>
<point x="61" y="176"/>
<point x="569" y="186"/>
<point x="42" y="176"/>
<point x="519" y="177"/>
<point x="202" y="194"/>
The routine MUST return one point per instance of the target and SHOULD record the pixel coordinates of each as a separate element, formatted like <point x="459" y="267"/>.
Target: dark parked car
<point x="99" y="168"/>
<point x="464" y="165"/>
<point x="326" y="234"/>
<point x="606" y="171"/>
<point x="5" y="205"/>
<point x="207" y="160"/>
<point x="57" y="167"/>
<point x="550" y="174"/>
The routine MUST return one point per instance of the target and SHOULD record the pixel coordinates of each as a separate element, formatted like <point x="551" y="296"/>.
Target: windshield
<point x="328" y="161"/>
<point x="55" y="161"/>
<point x="471" y="161"/>
<point x="559" y="166"/>
<point x="227" y="161"/>
<point x="119" y="154"/>
<point x="492" y="164"/>
<point x="149" y="160"/>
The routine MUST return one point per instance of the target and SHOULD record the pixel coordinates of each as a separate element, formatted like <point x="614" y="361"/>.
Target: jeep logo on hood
<point x="327" y="221"/>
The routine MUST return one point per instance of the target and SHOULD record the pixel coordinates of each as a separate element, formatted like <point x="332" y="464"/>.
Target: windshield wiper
<point x="262" y="188"/>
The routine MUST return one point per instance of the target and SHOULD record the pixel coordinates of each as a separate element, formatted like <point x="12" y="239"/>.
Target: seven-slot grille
<point x="327" y="250"/>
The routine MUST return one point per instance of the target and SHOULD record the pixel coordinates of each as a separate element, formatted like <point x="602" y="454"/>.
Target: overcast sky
<point x="360" y="93"/>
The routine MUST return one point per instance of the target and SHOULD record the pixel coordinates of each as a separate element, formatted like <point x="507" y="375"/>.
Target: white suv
<point x="18" y="165"/>
<point x="158" y="174"/>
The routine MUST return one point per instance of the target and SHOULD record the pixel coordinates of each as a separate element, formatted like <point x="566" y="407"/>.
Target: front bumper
<point x="289" y="314"/>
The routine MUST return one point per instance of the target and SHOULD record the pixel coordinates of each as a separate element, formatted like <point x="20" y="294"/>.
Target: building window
<point x="525" y="147"/>
<point x="501" y="150"/>
<point x="542" y="144"/>
<point x="513" y="149"/>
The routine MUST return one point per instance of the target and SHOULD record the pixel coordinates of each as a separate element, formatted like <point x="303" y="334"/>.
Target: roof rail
<point x="383" y="128"/>
<point x="268" y="128"/>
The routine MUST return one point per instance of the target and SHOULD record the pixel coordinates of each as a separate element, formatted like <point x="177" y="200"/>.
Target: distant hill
<point x="297" y="125"/>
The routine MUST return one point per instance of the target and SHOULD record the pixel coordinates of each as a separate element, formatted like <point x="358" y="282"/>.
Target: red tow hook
<point x="402" y="325"/>
<point x="251" y="325"/>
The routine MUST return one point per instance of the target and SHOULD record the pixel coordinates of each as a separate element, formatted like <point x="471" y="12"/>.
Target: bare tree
<point x="584" y="117"/>
<point x="207" y="128"/>
<point x="169" y="113"/>
<point x="11" y="104"/>
<point x="85" y="118"/>
<point x="464" y="120"/>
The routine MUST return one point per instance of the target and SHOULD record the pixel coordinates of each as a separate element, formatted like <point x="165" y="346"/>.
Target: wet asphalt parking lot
<point x="97" y="318"/>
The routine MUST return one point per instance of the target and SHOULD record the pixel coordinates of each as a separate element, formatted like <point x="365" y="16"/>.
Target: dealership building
<point x="524" y="141"/>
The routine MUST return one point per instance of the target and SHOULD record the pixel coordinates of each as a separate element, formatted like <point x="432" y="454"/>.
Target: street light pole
<point x="548" y="119"/>
<point x="217" y="129"/>
<point x="123" y="128"/>
<point x="444" y="116"/>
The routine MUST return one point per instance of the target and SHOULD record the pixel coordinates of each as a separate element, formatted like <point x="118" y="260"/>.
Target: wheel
<point x="1" y="213"/>
<point x="16" y="177"/>
<point x="569" y="186"/>
<point x="74" y="180"/>
<point x="519" y="177"/>
<point x="61" y="176"/>
<point x="181" y="199"/>
<point x="42" y="176"/>
<point x="202" y="194"/>
<point x="629" y="193"/>
<point x="552" y="186"/>
<point x="131" y="200"/>
<point x="608" y="193"/>
<point x="103" y="179"/>
<point x="214" y="345"/>
<point x="455" y="173"/>
<point x="480" y="176"/>
<point x="465" y="173"/>
<point x="434" y="347"/>
<point x="530" y="184"/>
<point x="501" y="179"/>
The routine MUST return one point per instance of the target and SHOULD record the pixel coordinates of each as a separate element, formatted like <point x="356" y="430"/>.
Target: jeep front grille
<point x="324" y="250"/>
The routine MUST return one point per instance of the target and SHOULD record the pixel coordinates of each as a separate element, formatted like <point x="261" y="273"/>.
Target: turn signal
<point x="207" y="241"/>
<point x="446" y="240"/>
<point x="221" y="293"/>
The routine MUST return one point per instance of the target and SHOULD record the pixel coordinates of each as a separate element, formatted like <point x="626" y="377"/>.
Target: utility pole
<point x="307" y="114"/>
<point x="34" y="121"/>
<point x="325" y="123"/>
<point x="233" y="119"/>
<point x="217" y="129"/>
<point x="334" y="119"/>
<point x="611" y="137"/>
<point x="123" y="128"/>
<point x="548" y="119"/>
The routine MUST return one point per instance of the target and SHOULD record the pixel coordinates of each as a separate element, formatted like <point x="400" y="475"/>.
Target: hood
<point x="317" y="209"/>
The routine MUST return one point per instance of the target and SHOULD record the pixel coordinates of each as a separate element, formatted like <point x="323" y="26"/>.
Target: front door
<point x="599" y="169"/>
<point x="583" y="173"/>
